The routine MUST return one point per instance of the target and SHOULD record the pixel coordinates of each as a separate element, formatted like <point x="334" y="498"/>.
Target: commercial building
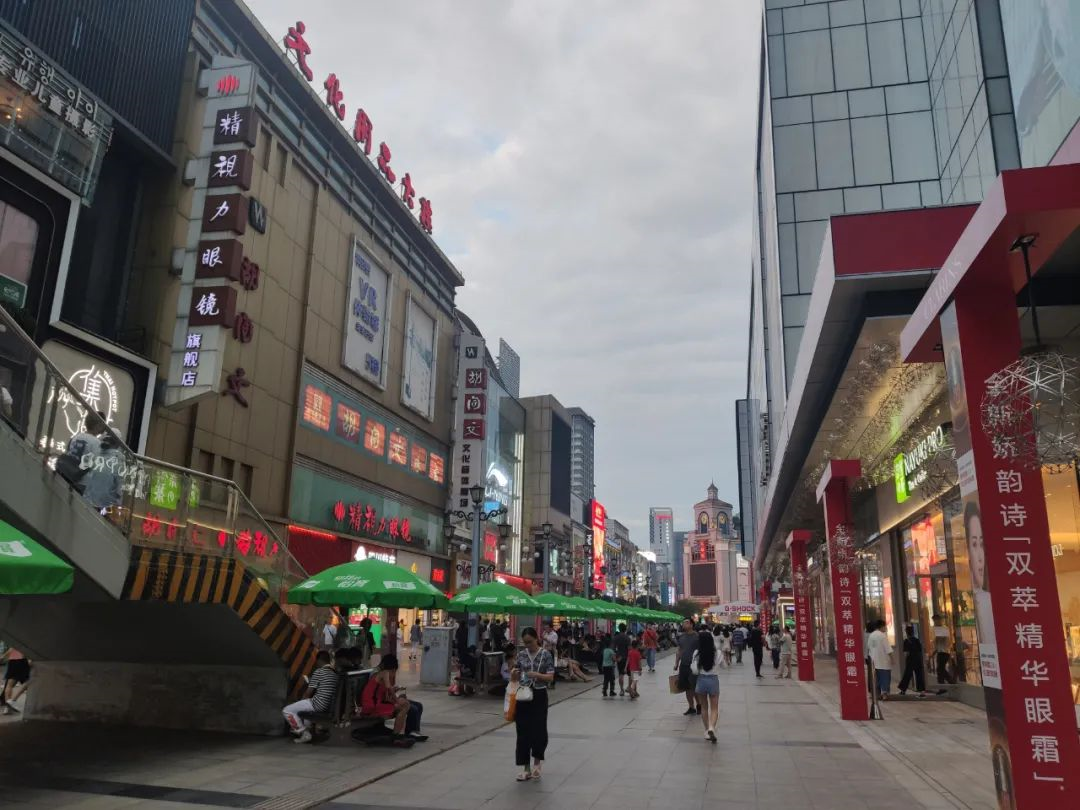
<point x="547" y="493"/>
<point x="584" y="454"/>
<point x="495" y="459"/>
<point x="915" y="162"/>
<point x="619" y="557"/>
<point x="678" y="577"/>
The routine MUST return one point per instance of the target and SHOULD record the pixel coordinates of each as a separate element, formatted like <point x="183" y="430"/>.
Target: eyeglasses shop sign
<point x="910" y="469"/>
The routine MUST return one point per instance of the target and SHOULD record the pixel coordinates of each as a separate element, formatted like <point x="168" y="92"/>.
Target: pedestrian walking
<point x="787" y="647"/>
<point x="607" y="665"/>
<point x="755" y="640"/>
<point x="684" y="658"/>
<point x="704" y="665"/>
<point x="534" y="670"/>
<point x="415" y="635"/>
<point x="633" y="668"/>
<point x="941" y="650"/>
<point x="738" y="639"/>
<point x="621" y="642"/>
<point x="650" y="641"/>
<point x="773" y="643"/>
<point x="880" y="653"/>
<point x="913" y="662"/>
<point x="725" y="646"/>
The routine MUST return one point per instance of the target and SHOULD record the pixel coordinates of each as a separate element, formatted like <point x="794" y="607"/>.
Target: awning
<point x="27" y="568"/>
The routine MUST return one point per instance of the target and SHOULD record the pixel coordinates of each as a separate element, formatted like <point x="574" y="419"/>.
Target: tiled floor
<point x="780" y="744"/>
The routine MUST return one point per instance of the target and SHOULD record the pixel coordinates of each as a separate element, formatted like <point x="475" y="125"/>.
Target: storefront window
<point x="874" y="587"/>
<point x="1063" y="513"/>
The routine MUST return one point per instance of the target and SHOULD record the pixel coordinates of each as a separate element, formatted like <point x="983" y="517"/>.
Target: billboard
<point x="598" y="518"/>
<point x="418" y="375"/>
<point x="367" y="317"/>
<point x="1042" y="41"/>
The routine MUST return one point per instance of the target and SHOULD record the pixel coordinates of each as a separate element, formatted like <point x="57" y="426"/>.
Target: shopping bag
<point x="673" y="684"/>
<point x="510" y="705"/>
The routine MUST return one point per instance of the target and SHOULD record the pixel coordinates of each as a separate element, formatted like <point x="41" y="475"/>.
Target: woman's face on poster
<point x="976" y="553"/>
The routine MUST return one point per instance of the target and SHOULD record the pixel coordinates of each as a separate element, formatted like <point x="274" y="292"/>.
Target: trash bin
<point x="435" y="662"/>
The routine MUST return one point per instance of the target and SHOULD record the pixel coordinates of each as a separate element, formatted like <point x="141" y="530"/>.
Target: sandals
<point x="536" y="772"/>
<point x="524" y="776"/>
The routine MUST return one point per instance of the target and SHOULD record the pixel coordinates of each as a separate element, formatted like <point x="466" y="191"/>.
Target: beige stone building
<point x="326" y="431"/>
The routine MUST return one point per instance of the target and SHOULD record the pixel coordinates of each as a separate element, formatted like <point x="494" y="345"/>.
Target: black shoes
<point x="689" y="712"/>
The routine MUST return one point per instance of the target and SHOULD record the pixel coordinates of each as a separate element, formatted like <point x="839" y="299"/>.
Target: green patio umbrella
<point x="26" y="567"/>
<point x="586" y="607"/>
<point x="554" y="604"/>
<point x="367" y="582"/>
<point x="495" y="597"/>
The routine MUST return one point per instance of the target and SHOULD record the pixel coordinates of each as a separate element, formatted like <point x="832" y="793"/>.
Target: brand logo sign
<point x="910" y="469"/>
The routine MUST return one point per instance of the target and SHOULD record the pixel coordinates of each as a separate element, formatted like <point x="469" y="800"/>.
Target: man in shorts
<point x="687" y="644"/>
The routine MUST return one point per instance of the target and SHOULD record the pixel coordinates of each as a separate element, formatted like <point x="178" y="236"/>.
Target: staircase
<point x="180" y="583"/>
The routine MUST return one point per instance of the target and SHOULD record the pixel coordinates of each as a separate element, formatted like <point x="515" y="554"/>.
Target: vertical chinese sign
<point x="1025" y="671"/>
<point x="804" y="625"/>
<point x="470" y="419"/>
<point x="208" y="309"/>
<point x="834" y="492"/>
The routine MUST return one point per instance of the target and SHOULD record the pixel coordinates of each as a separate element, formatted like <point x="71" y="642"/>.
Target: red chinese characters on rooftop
<point x="363" y="128"/>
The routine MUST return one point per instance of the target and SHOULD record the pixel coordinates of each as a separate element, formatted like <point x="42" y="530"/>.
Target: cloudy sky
<point x="590" y="167"/>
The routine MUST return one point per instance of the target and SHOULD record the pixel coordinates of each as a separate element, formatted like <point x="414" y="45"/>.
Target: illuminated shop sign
<point x="342" y="508"/>
<point x="599" y="529"/>
<point x="327" y="409"/>
<point x="910" y="470"/>
<point x="386" y="555"/>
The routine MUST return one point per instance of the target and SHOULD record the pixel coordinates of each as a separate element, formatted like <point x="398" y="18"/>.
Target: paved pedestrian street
<point x="780" y="745"/>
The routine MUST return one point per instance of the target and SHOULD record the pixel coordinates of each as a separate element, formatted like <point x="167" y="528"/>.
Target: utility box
<point x="435" y="662"/>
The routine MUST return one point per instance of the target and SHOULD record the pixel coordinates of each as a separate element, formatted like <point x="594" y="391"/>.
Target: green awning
<point x="27" y="567"/>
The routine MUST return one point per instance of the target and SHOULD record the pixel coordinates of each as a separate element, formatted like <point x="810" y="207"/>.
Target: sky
<point x="590" y="166"/>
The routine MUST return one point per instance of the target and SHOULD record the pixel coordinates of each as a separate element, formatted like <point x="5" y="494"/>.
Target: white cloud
<point x="590" y="166"/>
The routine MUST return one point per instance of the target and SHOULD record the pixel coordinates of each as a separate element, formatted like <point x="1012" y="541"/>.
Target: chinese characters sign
<point x="470" y="449"/>
<point x="363" y="128"/>
<point x="57" y="125"/>
<point x="207" y="309"/>
<point x="340" y="507"/>
<point x="367" y="315"/>
<point x="804" y="626"/>
<point x="1018" y="615"/>
<point x="328" y="409"/>
<point x="598" y="516"/>
<point x="834" y="491"/>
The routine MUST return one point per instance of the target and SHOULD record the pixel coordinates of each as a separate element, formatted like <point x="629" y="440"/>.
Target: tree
<point x="686" y="608"/>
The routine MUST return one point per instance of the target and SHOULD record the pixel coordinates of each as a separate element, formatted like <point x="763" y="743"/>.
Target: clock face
<point x="721" y="518"/>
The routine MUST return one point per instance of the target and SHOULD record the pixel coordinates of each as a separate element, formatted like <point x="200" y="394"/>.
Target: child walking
<point x="633" y="668"/>
<point x="608" y="664"/>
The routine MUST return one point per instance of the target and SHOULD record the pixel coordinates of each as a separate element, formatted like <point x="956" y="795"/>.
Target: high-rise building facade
<point x="583" y="454"/>
<point x="910" y="158"/>
<point x="661" y="529"/>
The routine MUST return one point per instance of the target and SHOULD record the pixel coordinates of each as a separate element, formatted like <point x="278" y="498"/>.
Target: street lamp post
<point x="547" y="557"/>
<point x="478" y="517"/>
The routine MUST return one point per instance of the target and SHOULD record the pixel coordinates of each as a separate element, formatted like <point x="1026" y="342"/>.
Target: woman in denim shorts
<point x="705" y="666"/>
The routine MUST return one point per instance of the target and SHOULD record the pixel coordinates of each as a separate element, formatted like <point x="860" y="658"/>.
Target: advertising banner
<point x="835" y="493"/>
<point x="1025" y="670"/>
<point x="804" y="623"/>
<point x="418" y="373"/>
<point x="470" y="420"/>
<point x="599" y="529"/>
<point x="367" y="317"/>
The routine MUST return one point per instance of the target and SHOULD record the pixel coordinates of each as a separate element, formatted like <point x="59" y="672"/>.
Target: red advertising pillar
<point x="804" y="626"/>
<point x="1025" y="670"/>
<point x="765" y="595"/>
<point x="834" y="493"/>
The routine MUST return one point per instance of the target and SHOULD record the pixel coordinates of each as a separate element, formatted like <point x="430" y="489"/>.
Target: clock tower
<point x="709" y="551"/>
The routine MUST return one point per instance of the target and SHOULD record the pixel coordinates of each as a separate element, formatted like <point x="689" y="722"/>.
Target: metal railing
<point x="151" y="502"/>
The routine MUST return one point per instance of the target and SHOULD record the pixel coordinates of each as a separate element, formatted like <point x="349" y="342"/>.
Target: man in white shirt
<point x="551" y="639"/>
<point x="880" y="654"/>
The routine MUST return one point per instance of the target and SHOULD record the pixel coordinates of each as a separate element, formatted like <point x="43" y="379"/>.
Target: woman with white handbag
<point x="534" y="670"/>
